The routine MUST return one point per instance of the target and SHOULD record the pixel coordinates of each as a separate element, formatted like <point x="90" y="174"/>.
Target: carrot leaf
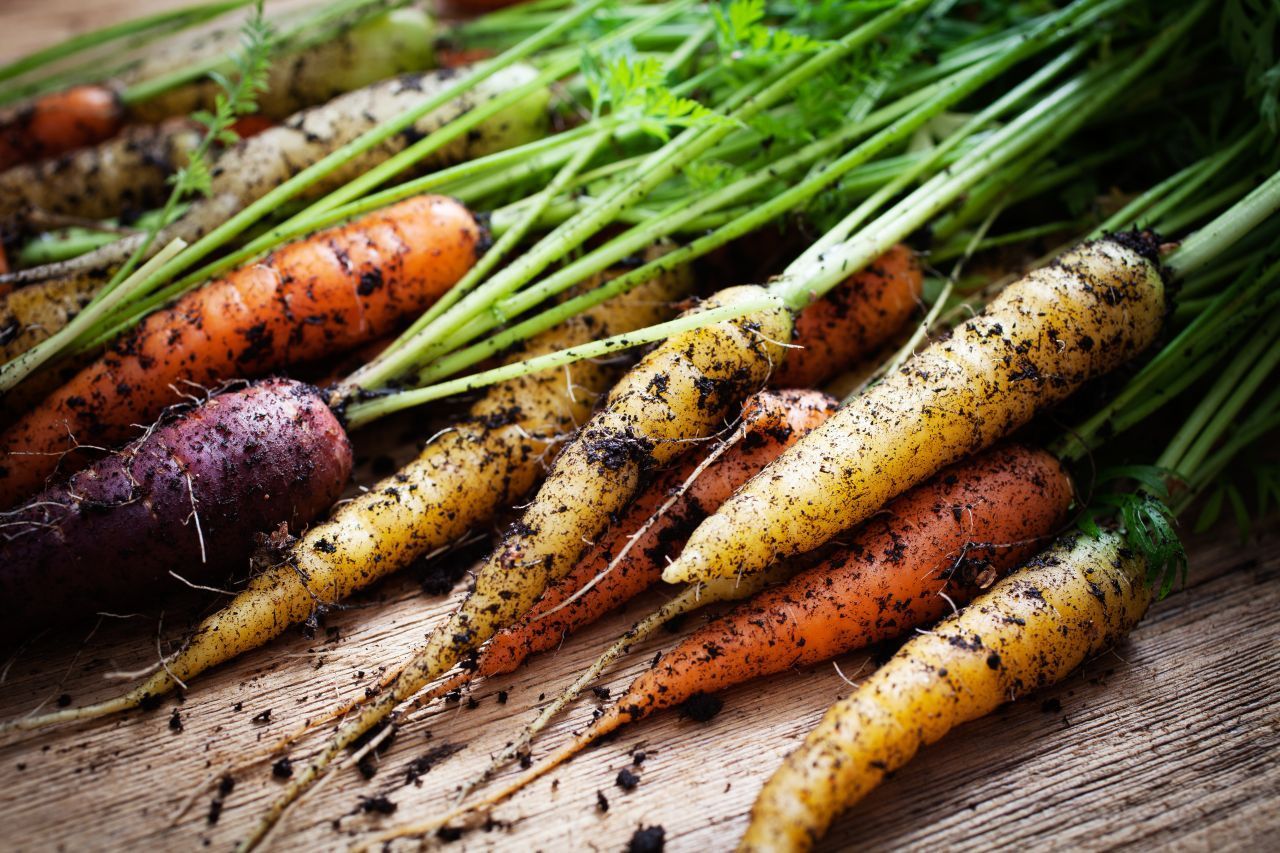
<point x="635" y="87"/>
<point x="1147" y="523"/>
<point x="741" y="28"/>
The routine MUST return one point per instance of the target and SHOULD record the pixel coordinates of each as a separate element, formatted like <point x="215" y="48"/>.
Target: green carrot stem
<point x="395" y="359"/>
<point x="165" y="21"/>
<point x="433" y="142"/>
<point x="385" y="131"/>
<point x="1182" y="217"/>
<point x="29" y="361"/>
<point x="1057" y="116"/>
<point x="1252" y="365"/>
<point x="1191" y="186"/>
<point x="1263" y="419"/>
<point x="691" y="45"/>
<point x="1220" y="234"/>
<point x="1024" y="235"/>
<point x="941" y="96"/>
<point x="864" y="211"/>
<point x="1023" y="180"/>
<point x="273" y="199"/>
<point x="1050" y="29"/>
<point x="363" y="412"/>
<point x="426" y="146"/>
<point x="653" y="171"/>
<point x="1207" y="280"/>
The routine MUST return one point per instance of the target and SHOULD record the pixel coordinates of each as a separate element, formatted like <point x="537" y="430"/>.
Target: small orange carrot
<point x="934" y="547"/>
<point x="59" y="122"/>
<point x="327" y="293"/>
<point x="847" y="324"/>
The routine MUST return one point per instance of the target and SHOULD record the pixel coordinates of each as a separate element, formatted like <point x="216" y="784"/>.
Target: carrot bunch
<point x="317" y="297"/>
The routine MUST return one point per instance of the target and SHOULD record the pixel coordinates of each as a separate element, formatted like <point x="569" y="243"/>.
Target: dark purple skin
<point x="107" y="538"/>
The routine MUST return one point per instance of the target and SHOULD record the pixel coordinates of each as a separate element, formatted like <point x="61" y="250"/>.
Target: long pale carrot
<point x="321" y="295"/>
<point x="1043" y="337"/>
<point x="931" y="549"/>
<point x="1029" y="630"/>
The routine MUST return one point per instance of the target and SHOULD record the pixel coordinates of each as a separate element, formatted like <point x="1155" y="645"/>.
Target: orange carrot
<point x="932" y="548"/>
<point x="853" y="319"/>
<point x="59" y="122"/>
<point x="251" y="125"/>
<point x="327" y="293"/>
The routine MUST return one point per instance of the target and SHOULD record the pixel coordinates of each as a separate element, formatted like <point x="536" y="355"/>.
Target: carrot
<point x="185" y="498"/>
<point x="1044" y="336"/>
<point x="936" y="545"/>
<point x="59" y="122"/>
<point x="1030" y="630"/>
<point x="463" y="476"/>
<point x="681" y="390"/>
<point x="320" y="295"/>
<point x="251" y="125"/>
<point x="124" y="174"/>
<point x="772" y="421"/>
<point x="848" y="323"/>
<point x="248" y="170"/>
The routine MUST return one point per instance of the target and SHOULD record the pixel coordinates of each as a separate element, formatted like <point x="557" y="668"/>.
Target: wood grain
<point x="1170" y="741"/>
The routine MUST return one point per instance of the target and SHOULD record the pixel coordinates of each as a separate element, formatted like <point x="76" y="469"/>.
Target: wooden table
<point x="1171" y="740"/>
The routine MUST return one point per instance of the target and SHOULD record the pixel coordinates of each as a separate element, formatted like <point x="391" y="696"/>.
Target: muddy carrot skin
<point x="682" y="390"/>
<point x="186" y="497"/>
<point x="773" y="421"/>
<point x="860" y="314"/>
<point x="1041" y="339"/>
<point x="322" y="295"/>
<point x="1030" y="630"/>
<point x="949" y="536"/>
<point x="59" y="122"/>
<point x="126" y="174"/>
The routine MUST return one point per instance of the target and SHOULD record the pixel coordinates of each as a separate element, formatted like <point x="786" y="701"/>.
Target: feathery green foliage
<point x="1147" y="523"/>
<point x="634" y="87"/>
<point x="1251" y="32"/>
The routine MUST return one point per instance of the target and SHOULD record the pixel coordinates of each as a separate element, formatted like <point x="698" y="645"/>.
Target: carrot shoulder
<point x="318" y="296"/>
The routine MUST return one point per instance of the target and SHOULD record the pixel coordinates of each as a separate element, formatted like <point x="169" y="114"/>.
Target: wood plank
<point x="1170" y="741"/>
<point x="1170" y="738"/>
